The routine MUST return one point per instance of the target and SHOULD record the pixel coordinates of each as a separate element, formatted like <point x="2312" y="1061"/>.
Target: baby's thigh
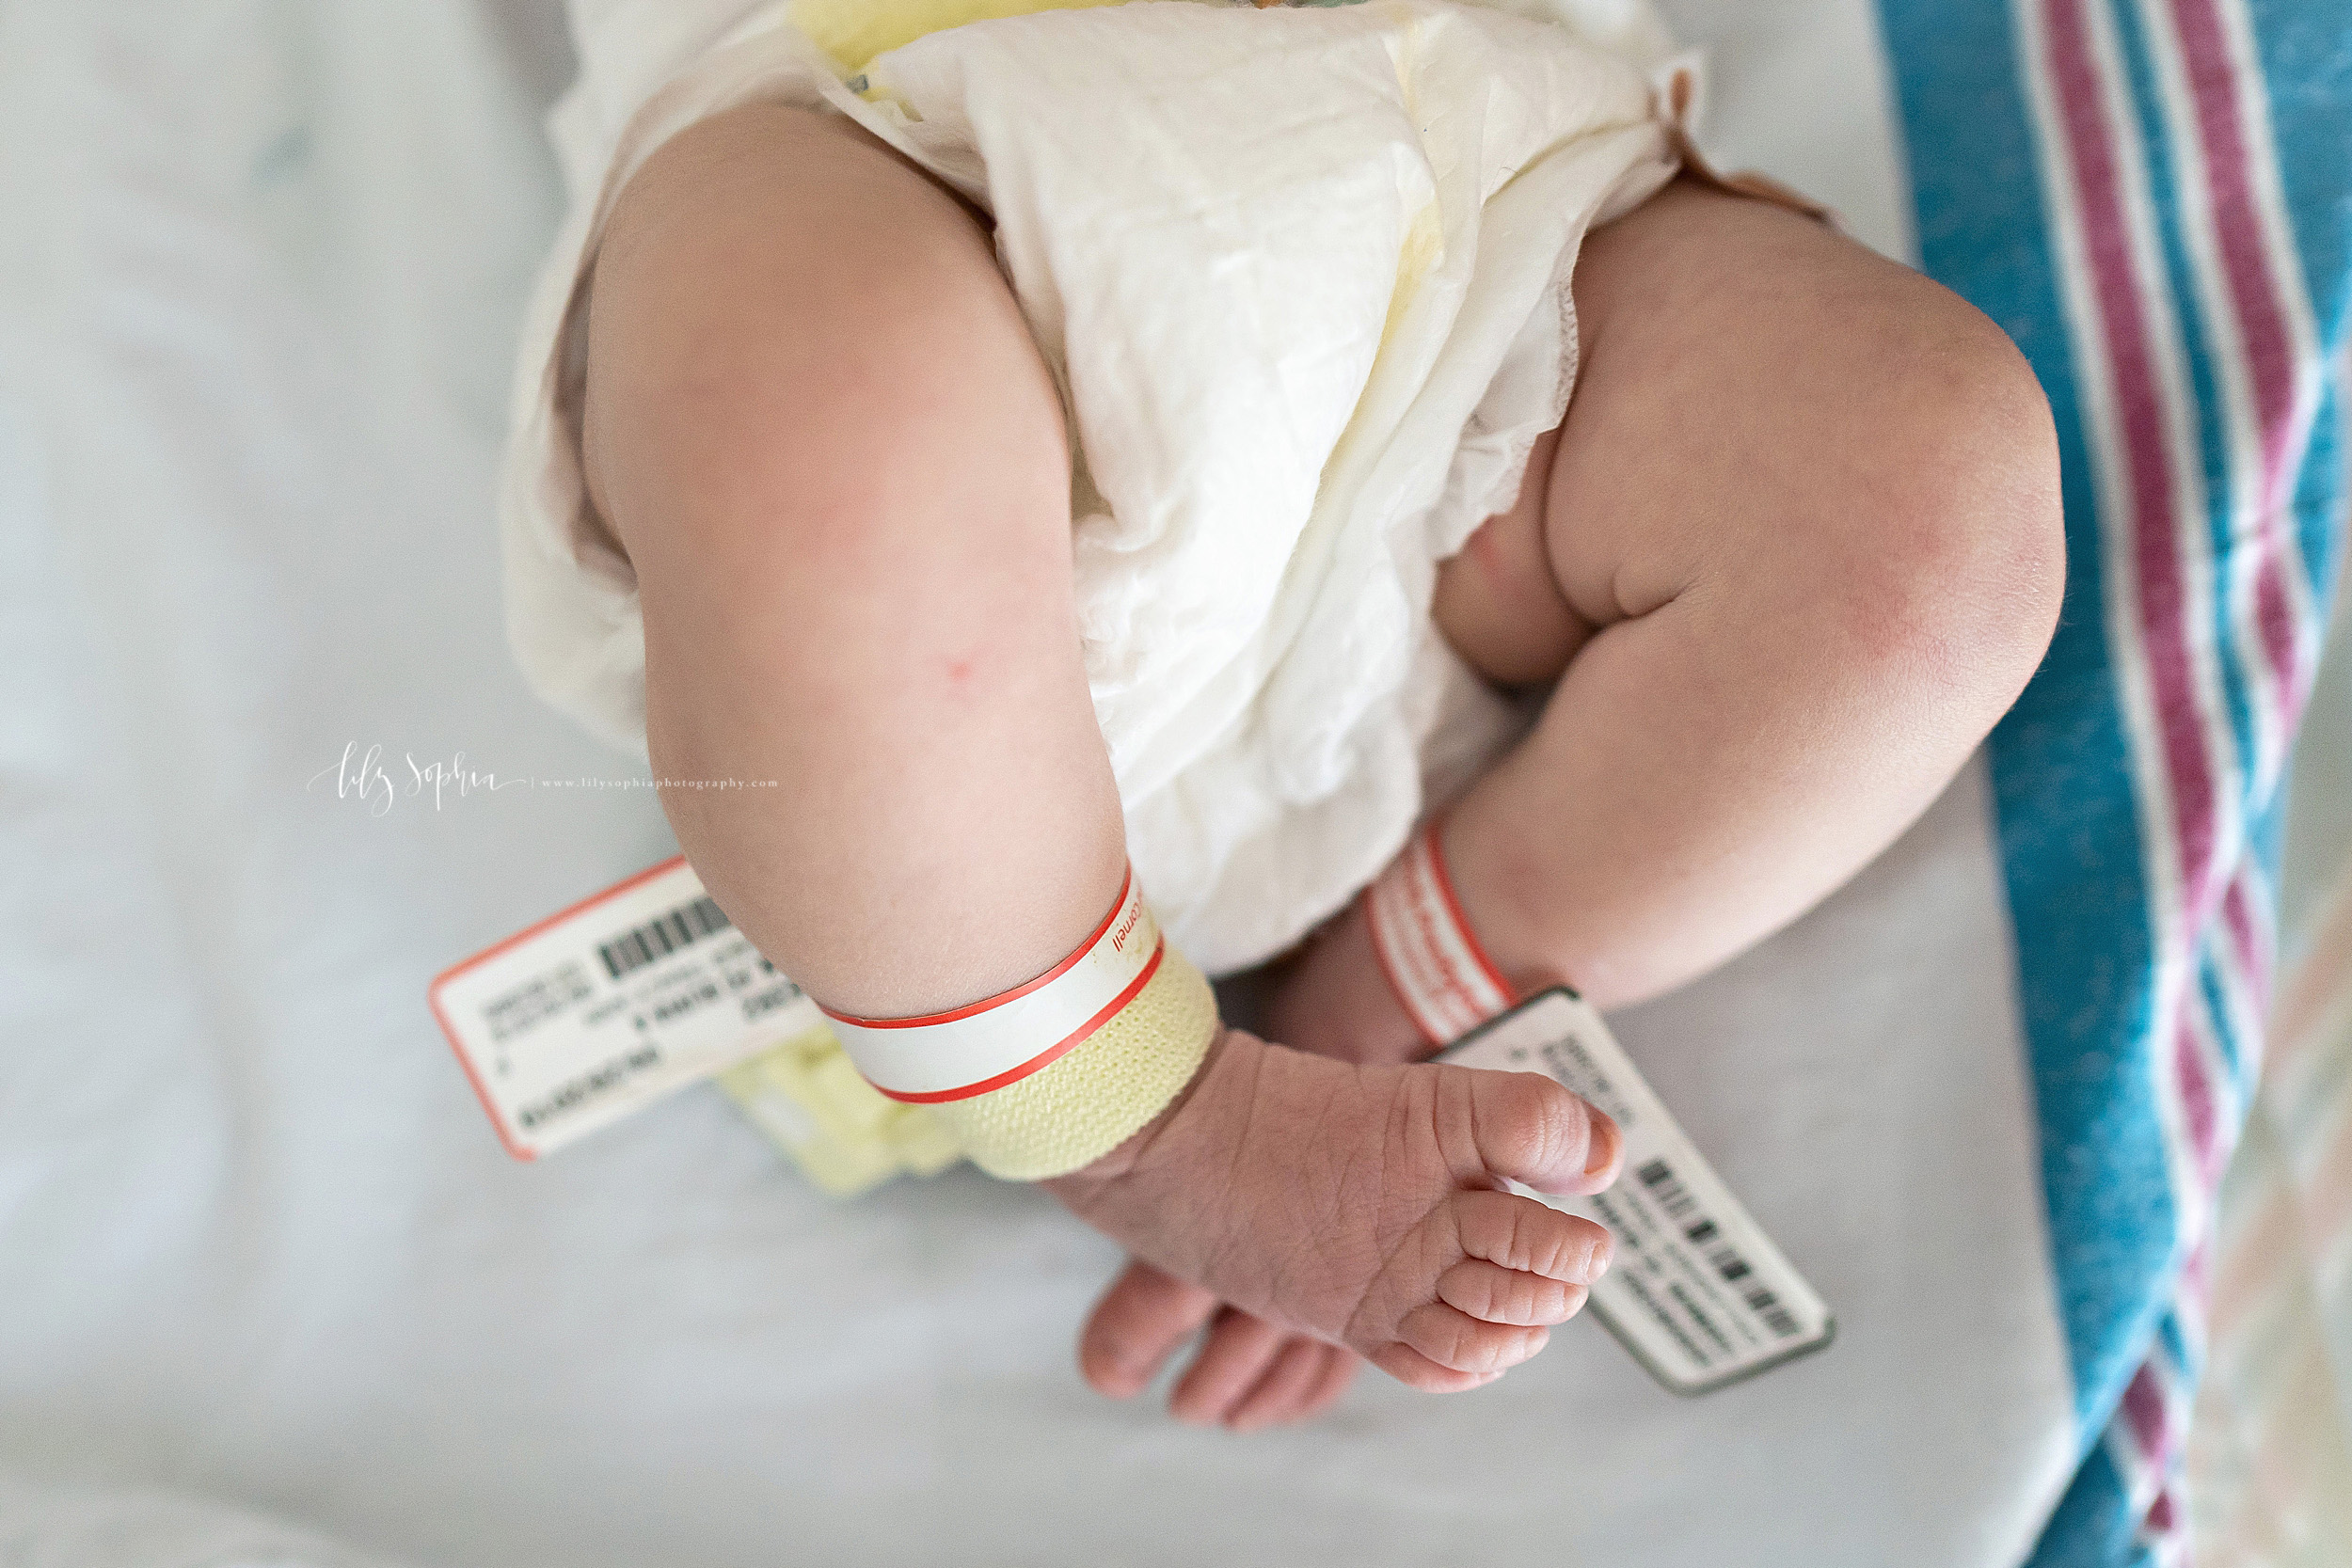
<point x="794" y="332"/>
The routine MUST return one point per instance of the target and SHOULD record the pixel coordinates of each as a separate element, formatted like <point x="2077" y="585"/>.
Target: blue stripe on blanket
<point x="2305" y="47"/>
<point x="2061" y="772"/>
<point x="2094" y="1522"/>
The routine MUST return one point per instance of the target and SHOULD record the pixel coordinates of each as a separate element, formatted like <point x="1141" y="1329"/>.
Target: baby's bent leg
<point x="819" y="425"/>
<point x="1810" y="500"/>
<point x="1797" y="547"/>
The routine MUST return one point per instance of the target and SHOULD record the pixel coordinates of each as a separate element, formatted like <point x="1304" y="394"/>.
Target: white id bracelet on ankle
<point x="1002" y="1039"/>
<point x="1447" y="984"/>
<point x="1050" y="1076"/>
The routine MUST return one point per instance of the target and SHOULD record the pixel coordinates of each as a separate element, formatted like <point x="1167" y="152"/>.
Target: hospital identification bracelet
<point x="975" y="1050"/>
<point x="1447" y="984"/>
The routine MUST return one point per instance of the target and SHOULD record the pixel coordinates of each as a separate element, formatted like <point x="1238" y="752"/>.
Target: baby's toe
<point x="1492" y="1293"/>
<point x="1416" y="1371"/>
<point x="1240" y="1350"/>
<point x="1457" y="1341"/>
<point x="1533" y="1265"/>
<point x="1146" y="1313"/>
<point x="1331" y="1381"/>
<point x="1527" y="1237"/>
<point x="1529" y="1129"/>
<point x="1282" y="1393"/>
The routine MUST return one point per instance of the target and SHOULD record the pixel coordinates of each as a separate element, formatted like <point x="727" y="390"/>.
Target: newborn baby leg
<point x="819" y="428"/>
<point x="1794" y="550"/>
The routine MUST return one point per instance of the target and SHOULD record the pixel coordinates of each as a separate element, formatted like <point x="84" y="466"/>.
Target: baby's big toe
<point x="1529" y="1129"/>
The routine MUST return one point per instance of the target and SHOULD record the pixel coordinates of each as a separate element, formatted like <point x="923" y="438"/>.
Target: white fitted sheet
<point x="258" y="1248"/>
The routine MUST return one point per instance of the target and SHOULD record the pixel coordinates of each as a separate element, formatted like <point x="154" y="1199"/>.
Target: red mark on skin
<point x="960" y="671"/>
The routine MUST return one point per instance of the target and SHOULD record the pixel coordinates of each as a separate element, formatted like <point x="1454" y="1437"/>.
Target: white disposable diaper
<point x="1303" y="274"/>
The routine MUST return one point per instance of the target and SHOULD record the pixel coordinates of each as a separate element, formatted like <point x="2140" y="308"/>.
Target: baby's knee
<point x="1968" y="555"/>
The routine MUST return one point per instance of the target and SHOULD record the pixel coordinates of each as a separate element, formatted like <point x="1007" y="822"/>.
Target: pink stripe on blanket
<point x="2148" y="1413"/>
<point x="2139" y="417"/>
<point x="2250" y="940"/>
<point x="2216" y="85"/>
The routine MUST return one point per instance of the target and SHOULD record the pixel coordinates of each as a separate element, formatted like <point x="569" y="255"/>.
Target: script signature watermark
<point x="376" y="779"/>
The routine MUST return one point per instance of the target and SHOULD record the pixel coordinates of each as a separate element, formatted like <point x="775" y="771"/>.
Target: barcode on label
<point x="1658" y="1177"/>
<point x="658" y="939"/>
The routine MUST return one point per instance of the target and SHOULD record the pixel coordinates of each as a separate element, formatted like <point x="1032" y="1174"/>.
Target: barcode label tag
<point x="604" y="1008"/>
<point x="1698" y="1292"/>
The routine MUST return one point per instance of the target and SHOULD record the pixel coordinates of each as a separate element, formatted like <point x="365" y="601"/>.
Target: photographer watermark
<point x="379" y="782"/>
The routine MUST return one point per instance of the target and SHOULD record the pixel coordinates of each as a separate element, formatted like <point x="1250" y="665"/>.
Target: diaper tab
<point x="1447" y="984"/>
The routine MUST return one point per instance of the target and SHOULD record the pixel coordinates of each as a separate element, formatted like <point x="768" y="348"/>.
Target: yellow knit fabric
<point x="1081" y="1107"/>
<point x="841" y="1130"/>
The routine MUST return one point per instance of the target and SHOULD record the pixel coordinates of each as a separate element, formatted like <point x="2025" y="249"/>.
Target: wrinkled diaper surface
<point x="1303" y="273"/>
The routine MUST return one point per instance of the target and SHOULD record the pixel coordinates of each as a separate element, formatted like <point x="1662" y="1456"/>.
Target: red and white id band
<point x="1438" y="971"/>
<point x="973" y="1050"/>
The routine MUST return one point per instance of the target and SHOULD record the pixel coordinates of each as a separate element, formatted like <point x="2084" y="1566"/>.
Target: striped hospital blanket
<point x="2154" y="198"/>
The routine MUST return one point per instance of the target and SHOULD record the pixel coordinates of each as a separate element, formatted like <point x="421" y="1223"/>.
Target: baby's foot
<point x="1248" y="1374"/>
<point x="1365" y="1205"/>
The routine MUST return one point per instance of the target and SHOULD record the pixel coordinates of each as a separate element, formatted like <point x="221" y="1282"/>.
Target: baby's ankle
<point x="1148" y="1147"/>
<point x="1336" y="1001"/>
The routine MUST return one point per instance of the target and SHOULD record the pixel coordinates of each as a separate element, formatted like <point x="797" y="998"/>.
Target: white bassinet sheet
<point x="257" y="294"/>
